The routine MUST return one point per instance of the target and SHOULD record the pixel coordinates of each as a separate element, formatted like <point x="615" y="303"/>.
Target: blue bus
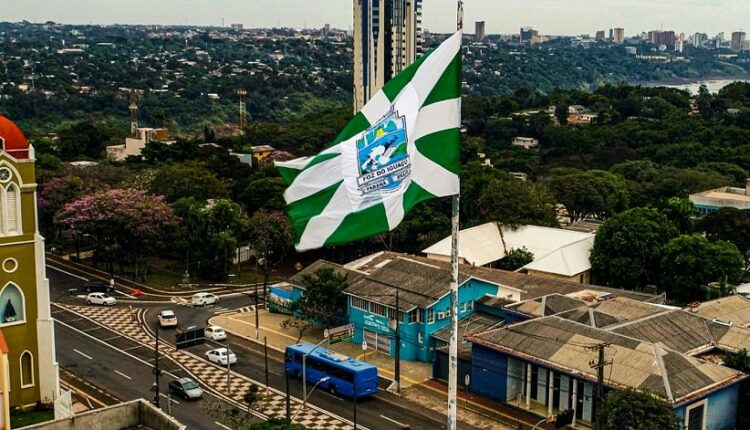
<point x="345" y="373"/>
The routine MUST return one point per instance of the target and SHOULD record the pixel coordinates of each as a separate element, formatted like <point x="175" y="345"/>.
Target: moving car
<point x="98" y="287"/>
<point x="221" y="356"/>
<point x="214" y="332"/>
<point x="202" y="299"/>
<point x="100" y="299"/>
<point x="186" y="388"/>
<point x="167" y="319"/>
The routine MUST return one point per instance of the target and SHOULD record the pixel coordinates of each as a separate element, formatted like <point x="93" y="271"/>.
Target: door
<point x="380" y="342"/>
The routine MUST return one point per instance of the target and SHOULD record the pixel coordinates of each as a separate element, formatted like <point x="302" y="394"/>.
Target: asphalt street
<point x="382" y="412"/>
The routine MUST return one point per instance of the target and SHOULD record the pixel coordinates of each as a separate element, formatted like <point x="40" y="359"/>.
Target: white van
<point x="202" y="299"/>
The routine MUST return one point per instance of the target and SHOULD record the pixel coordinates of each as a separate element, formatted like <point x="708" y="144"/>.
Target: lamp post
<point x="304" y="373"/>
<point x="395" y="325"/>
<point x="304" y="400"/>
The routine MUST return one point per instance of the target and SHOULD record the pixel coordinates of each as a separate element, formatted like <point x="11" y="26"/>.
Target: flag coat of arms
<point x="400" y="149"/>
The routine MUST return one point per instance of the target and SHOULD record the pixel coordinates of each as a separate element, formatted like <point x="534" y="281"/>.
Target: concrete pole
<point x="453" y="345"/>
<point x="528" y="386"/>
<point x="550" y="391"/>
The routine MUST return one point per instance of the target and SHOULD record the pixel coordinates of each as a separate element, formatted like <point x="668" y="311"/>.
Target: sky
<point x="501" y="16"/>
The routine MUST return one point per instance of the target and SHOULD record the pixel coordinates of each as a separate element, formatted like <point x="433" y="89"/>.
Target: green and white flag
<point x="400" y="149"/>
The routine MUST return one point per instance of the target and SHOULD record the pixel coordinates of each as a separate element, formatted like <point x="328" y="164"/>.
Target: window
<point x="11" y="209"/>
<point x="27" y="370"/>
<point x="420" y="338"/>
<point x="448" y="313"/>
<point x="377" y="309"/>
<point x="471" y="305"/>
<point x="415" y="315"/>
<point x="441" y="315"/>
<point x="359" y="303"/>
<point x="695" y="418"/>
<point x="12" y="306"/>
<point x="463" y="307"/>
<point x="430" y="316"/>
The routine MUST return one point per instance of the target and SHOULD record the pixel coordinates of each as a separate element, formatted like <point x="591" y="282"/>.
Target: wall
<point x="581" y="278"/>
<point x="489" y="373"/>
<point x="721" y="409"/>
<point x="135" y="413"/>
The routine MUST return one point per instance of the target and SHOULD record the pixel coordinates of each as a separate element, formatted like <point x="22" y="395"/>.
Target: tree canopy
<point x="629" y="409"/>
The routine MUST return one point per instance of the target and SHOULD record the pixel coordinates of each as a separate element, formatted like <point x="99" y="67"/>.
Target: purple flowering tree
<point x="126" y="224"/>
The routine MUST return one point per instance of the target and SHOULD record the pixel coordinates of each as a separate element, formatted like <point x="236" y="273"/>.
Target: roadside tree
<point x="630" y="409"/>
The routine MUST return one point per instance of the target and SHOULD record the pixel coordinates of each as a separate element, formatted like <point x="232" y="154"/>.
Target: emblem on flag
<point x="382" y="154"/>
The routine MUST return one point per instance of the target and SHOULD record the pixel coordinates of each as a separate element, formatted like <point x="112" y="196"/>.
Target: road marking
<point x="222" y="425"/>
<point x="67" y="273"/>
<point x="130" y="348"/>
<point x="393" y="421"/>
<point x="112" y="338"/>
<point x="170" y="398"/>
<point x="122" y="374"/>
<point x="79" y="352"/>
<point x="92" y="329"/>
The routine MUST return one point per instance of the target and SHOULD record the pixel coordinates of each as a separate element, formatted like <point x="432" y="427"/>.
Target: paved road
<point x="383" y="412"/>
<point x="115" y="372"/>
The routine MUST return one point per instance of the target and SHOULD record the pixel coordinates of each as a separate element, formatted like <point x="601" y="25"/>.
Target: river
<point x="713" y="85"/>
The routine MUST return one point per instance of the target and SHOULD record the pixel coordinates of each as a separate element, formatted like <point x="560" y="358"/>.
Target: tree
<point x="263" y="193"/>
<point x="731" y="225"/>
<point x="124" y="223"/>
<point x="690" y="263"/>
<point x="681" y="212"/>
<point x="561" y="113"/>
<point x="515" y="259"/>
<point x="629" y="246"/>
<point x="634" y="410"/>
<point x="275" y="424"/>
<point x="592" y="193"/>
<point x="738" y="360"/>
<point x="176" y="181"/>
<point x="323" y="301"/>
<point x="270" y="234"/>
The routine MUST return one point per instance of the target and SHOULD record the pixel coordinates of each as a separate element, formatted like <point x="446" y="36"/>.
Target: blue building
<point x="417" y="294"/>
<point x="544" y="365"/>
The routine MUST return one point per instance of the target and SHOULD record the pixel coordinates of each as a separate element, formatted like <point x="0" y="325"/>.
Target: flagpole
<point x="453" y="346"/>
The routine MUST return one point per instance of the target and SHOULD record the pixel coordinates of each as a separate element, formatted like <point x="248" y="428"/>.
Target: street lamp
<point x="109" y="256"/>
<point x="304" y="372"/>
<point x="304" y="400"/>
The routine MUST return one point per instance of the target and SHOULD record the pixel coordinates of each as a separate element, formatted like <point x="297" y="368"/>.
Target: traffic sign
<point x="364" y="345"/>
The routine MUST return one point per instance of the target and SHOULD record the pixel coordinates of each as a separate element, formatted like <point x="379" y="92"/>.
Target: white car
<point x="214" y="332"/>
<point x="100" y="299"/>
<point x="202" y="299"/>
<point x="167" y="319"/>
<point x="221" y="356"/>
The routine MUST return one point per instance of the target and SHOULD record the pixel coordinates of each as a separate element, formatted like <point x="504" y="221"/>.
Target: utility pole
<point x="599" y="365"/>
<point x="265" y="353"/>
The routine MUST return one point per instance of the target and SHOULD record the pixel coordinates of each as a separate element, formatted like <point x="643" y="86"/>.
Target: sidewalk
<point x="243" y="324"/>
<point x="416" y="377"/>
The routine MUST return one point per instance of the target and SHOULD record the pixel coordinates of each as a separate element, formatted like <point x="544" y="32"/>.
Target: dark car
<point x="98" y="287"/>
<point x="186" y="388"/>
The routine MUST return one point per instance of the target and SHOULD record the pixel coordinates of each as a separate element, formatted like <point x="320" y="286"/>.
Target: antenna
<point x="133" y="112"/>
<point x="242" y="93"/>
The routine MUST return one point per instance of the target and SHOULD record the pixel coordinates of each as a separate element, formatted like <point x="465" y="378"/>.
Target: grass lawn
<point x="31" y="417"/>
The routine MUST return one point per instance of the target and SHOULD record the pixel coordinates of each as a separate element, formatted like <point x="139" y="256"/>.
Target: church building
<point x="25" y="318"/>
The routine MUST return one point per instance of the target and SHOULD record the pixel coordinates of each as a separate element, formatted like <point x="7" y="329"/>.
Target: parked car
<point x="221" y="356"/>
<point x="202" y="299"/>
<point x="214" y="332"/>
<point x="186" y="388"/>
<point x="100" y="299"/>
<point x="98" y="287"/>
<point x="167" y="319"/>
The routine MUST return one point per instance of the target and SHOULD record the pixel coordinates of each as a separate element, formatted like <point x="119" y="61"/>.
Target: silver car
<point x="186" y="388"/>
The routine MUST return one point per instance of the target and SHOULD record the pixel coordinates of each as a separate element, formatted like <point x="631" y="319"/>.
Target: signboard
<point x="364" y="345"/>
<point x="377" y="323"/>
<point x="340" y="334"/>
<point x="189" y="338"/>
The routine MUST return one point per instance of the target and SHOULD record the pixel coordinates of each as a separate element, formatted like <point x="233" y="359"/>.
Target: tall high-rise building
<point x="479" y="31"/>
<point x="618" y="35"/>
<point x="387" y="38"/>
<point x="599" y="35"/>
<point x="738" y="40"/>
<point x="25" y="317"/>
<point x="529" y="35"/>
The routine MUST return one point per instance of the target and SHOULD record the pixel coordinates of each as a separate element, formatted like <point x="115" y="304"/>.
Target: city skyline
<point x="549" y="16"/>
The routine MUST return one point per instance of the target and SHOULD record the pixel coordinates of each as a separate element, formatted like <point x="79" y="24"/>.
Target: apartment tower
<point x="387" y="39"/>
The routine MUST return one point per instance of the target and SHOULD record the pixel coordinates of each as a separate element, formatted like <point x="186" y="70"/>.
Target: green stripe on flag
<point x="415" y="194"/>
<point x="357" y="125"/>
<point x="442" y="148"/>
<point x="321" y="158"/>
<point x="302" y="210"/>
<point x="359" y="225"/>
<point x="288" y="174"/>
<point x="393" y="87"/>
<point x="449" y="85"/>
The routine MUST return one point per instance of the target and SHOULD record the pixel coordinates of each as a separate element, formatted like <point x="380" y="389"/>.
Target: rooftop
<point x="298" y="278"/>
<point x="134" y="414"/>
<point x="734" y="309"/>
<point x="568" y="346"/>
<point x="546" y="305"/>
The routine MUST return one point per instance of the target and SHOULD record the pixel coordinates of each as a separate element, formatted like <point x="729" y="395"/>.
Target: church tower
<point x="25" y="318"/>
